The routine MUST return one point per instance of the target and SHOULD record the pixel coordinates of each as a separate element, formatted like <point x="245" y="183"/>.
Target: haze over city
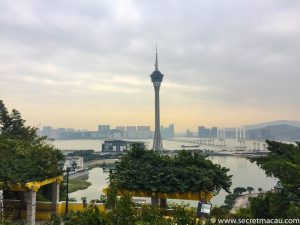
<point x="79" y="64"/>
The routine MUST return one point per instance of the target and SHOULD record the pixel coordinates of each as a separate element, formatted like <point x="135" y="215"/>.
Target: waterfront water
<point x="244" y="172"/>
<point x="231" y="144"/>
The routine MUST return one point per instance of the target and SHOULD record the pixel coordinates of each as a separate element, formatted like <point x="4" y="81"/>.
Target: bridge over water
<point x="209" y="141"/>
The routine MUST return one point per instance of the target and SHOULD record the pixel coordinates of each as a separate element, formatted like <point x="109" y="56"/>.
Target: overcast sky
<point x="83" y="63"/>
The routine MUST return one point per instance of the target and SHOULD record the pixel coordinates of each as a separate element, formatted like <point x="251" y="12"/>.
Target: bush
<point x="259" y="208"/>
<point x="89" y="216"/>
<point x="149" y="171"/>
<point x="125" y="212"/>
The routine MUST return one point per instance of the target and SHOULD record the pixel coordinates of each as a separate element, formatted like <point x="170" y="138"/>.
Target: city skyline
<point x="75" y="64"/>
<point x="169" y="130"/>
<point x="105" y="131"/>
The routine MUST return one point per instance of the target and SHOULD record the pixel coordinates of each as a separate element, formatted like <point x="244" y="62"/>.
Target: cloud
<point x="214" y="54"/>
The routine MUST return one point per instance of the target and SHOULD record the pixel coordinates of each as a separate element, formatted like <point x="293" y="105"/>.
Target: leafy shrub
<point x="149" y="171"/>
<point x="89" y="216"/>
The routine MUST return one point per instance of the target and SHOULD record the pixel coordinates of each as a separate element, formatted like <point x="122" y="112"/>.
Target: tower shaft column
<point x="157" y="143"/>
<point x="157" y="110"/>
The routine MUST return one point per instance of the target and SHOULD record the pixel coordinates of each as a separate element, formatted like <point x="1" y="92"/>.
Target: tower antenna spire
<point x="156" y="61"/>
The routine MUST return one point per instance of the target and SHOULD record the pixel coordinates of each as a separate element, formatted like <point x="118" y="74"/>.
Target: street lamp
<point x="278" y="187"/>
<point x="68" y="170"/>
<point x="1" y="204"/>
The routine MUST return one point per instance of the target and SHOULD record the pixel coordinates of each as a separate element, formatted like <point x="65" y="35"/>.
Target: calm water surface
<point x="244" y="172"/>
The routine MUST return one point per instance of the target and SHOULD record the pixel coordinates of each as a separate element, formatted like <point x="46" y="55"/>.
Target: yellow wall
<point x="43" y="210"/>
<point x="75" y="207"/>
<point x="207" y="196"/>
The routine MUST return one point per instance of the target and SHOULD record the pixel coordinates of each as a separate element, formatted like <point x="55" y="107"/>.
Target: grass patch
<point x="78" y="184"/>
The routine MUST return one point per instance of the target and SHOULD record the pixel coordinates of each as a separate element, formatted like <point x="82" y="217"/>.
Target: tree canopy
<point x="282" y="162"/>
<point x="23" y="155"/>
<point x="239" y="190"/>
<point x="147" y="170"/>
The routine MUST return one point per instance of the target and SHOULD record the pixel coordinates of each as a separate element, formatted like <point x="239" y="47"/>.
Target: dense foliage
<point x="283" y="162"/>
<point x="89" y="216"/>
<point x="122" y="211"/>
<point x="23" y="155"/>
<point x="147" y="170"/>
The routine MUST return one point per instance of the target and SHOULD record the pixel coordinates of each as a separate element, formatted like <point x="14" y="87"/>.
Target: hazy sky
<point x="82" y="63"/>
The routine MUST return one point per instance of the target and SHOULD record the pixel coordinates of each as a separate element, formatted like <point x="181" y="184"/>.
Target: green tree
<point x="24" y="156"/>
<point x="89" y="216"/>
<point x="123" y="211"/>
<point x="259" y="208"/>
<point x="183" y="215"/>
<point x="151" y="215"/>
<point x="149" y="171"/>
<point x="282" y="162"/>
<point x="219" y="212"/>
<point x="250" y="189"/>
<point x="239" y="190"/>
<point x="293" y="210"/>
<point x="230" y="200"/>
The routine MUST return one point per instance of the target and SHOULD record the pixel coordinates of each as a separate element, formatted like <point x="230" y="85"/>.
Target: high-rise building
<point x="116" y="134"/>
<point x="172" y="130"/>
<point x="230" y="132"/>
<point x="143" y="132"/>
<point x="189" y="133"/>
<point x="167" y="132"/>
<point x="122" y="129"/>
<point x="131" y="132"/>
<point x="104" y="131"/>
<point x="203" y="132"/>
<point x="46" y="131"/>
<point x="156" y="78"/>
<point x="200" y="131"/>
<point x="214" y="132"/>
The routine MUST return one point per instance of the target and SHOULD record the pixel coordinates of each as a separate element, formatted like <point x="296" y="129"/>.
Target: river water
<point x="244" y="172"/>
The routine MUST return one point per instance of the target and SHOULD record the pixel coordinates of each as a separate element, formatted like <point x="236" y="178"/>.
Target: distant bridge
<point x="173" y="152"/>
<point x="210" y="141"/>
<point x="66" y="151"/>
